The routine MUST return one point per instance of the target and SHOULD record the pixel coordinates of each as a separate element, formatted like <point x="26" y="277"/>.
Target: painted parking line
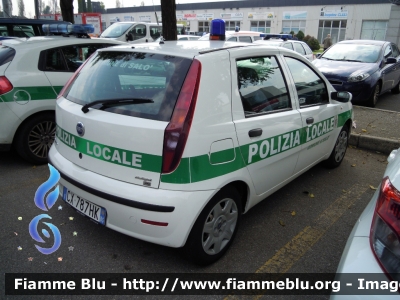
<point x="294" y="250"/>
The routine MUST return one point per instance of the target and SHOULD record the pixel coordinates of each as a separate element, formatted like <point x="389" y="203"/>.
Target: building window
<point x="260" y="26"/>
<point x="204" y="26"/>
<point x="293" y="25"/>
<point x="336" y="28"/>
<point x="231" y="25"/>
<point x="373" y="30"/>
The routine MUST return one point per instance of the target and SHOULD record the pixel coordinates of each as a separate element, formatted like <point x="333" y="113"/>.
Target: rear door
<point x="122" y="141"/>
<point x="267" y="123"/>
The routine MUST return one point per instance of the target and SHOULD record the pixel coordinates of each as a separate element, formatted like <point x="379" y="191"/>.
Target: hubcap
<point x="41" y="137"/>
<point x="219" y="226"/>
<point x="341" y="145"/>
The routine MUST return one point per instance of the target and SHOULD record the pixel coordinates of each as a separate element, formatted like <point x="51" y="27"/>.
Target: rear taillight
<point x="5" y="85"/>
<point x="385" y="229"/>
<point x="177" y="131"/>
<point x="66" y="86"/>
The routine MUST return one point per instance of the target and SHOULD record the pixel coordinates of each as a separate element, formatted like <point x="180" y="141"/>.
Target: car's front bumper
<point x="127" y="204"/>
<point x="361" y="90"/>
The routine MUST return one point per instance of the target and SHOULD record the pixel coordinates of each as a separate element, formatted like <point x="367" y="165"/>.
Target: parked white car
<point x="32" y="73"/>
<point x="298" y="46"/>
<point x="174" y="142"/>
<point x="374" y="243"/>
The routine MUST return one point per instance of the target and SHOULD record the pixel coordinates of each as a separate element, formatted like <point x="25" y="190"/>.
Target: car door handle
<point x="310" y="120"/>
<point x="255" y="132"/>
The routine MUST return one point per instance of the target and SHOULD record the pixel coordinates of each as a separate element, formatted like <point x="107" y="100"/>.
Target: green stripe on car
<point x="32" y="93"/>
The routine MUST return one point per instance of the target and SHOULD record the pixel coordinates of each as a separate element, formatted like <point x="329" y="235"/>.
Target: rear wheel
<point x="338" y="152"/>
<point x="373" y="99"/>
<point x="35" y="137"/>
<point x="396" y="89"/>
<point x="215" y="228"/>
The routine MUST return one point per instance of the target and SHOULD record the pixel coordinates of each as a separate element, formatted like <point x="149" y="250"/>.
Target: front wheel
<point x="373" y="99"/>
<point x="215" y="228"/>
<point x="339" y="150"/>
<point x="35" y="137"/>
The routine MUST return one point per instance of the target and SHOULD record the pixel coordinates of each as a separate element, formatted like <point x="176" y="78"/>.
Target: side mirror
<point x="318" y="55"/>
<point x="391" y="60"/>
<point x="341" y="96"/>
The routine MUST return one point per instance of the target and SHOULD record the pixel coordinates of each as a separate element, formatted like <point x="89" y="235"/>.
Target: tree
<point x="300" y="35"/>
<point x="102" y="8"/>
<point x="168" y="14"/>
<point x="89" y="6"/>
<point x="67" y="10"/>
<point x="21" y="8"/>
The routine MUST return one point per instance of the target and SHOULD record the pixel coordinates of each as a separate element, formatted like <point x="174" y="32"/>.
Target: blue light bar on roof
<point x="68" y="28"/>
<point x="217" y="30"/>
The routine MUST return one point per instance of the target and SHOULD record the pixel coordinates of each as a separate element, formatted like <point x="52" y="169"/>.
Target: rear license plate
<point x="93" y="211"/>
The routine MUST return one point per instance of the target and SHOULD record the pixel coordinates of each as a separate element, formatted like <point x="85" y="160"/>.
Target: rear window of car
<point x="112" y="75"/>
<point x="6" y="54"/>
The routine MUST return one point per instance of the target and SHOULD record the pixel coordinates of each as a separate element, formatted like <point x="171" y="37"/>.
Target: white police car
<point x="173" y="142"/>
<point x="32" y="73"/>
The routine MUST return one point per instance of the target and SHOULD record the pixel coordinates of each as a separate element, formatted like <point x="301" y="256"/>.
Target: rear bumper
<point x="127" y="204"/>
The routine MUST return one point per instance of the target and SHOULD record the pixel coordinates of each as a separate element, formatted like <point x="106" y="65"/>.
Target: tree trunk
<point x="168" y="15"/>
<point x="67" y="10"/>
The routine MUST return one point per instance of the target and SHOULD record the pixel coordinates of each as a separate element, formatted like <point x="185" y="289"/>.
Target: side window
<point x="262" y="87"/>
<point x="155" y="32"/>
<point x="388" y="51"/>
<point x="54" y="61"/>
<point x="75" y="55"/>
<point x="138" y="32"/>
<point x="311" y="89"/>
<point x="307" y="48"/>
<point x="288" y="46"/>
<point x="23" y="30"/>
<point x="299" y="48"/>
<point x="232" y="39"/>
<point x="245" y="39"/>
<point x="395" y="50"/>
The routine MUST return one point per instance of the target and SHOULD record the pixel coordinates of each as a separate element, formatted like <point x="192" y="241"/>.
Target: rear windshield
<point x="6" y="54"/>
<point x="114" y="75"/>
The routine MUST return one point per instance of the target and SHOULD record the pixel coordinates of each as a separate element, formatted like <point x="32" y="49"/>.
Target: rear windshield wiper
<point x="115" y="102"/>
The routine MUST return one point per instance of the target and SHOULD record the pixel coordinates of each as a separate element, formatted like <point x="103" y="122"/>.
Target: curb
<point x="382" y="145"/>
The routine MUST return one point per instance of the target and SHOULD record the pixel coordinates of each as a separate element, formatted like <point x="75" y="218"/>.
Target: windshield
<point x="353" y="52"/>
<point x="112" y="75"/>
<point x="116" y="30"/>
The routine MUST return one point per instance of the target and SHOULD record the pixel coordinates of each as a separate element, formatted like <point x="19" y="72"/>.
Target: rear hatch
<point x="122" y="140"/>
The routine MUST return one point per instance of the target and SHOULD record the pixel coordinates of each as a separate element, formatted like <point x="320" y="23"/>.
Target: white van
<point x="237" y="36"/>
<point x="135" y="32"/>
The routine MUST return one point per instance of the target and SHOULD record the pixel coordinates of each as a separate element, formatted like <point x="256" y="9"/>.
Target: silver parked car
<point x="374" y="243"/>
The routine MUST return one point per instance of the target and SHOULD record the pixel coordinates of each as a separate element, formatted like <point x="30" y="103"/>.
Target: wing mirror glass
<point x="391" y="60"/>
<point x="342" y="96"/>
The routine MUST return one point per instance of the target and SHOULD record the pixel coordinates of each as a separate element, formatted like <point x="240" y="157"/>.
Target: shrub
<point x="306" y="38"/>
<point x="313" y="43"/>
<point x="300" y="35"/>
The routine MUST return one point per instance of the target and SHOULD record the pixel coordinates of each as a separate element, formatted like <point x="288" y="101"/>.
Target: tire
<point x="35" y="137"/>
<point x="373" y="99"/>
<point x="215" y="228"/>
<point x="339" y="150"/>
<point x="396" y="89"/>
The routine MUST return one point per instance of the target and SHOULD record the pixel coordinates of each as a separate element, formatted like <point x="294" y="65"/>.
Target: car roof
<point x="48" y="41"/>
<point x="189" y="49"/>
<point x="4" y="21"/>
<point x="363" y="42"/>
